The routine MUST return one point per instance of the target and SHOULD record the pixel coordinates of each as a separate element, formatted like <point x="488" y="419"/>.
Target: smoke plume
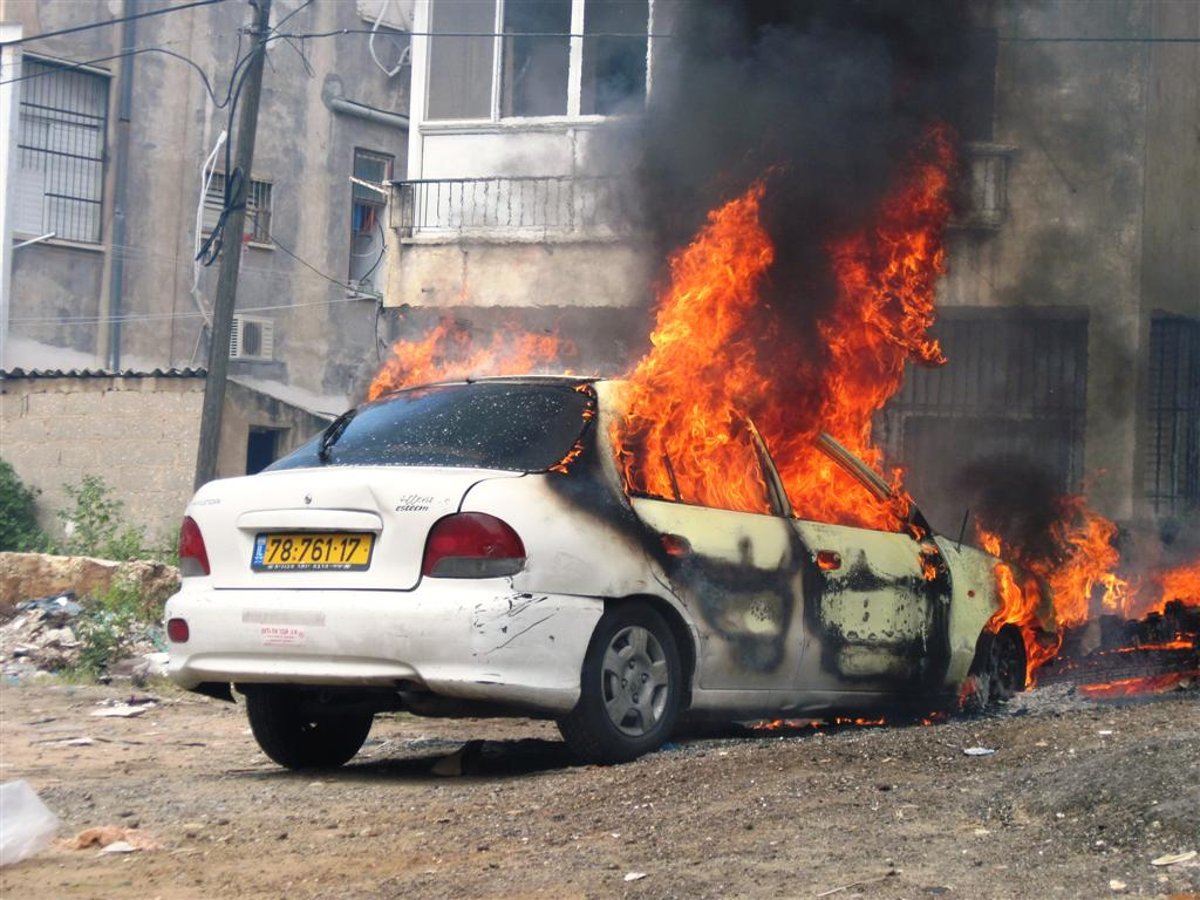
<point x="828" y="97"/>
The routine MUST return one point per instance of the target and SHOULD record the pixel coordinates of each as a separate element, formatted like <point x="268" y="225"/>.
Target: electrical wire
<point x="165" y="317"/>
<point x="342" y="284"/>
<point x="94" y="25"/>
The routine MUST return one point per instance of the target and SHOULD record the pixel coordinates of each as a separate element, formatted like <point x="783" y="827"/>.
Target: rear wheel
<point x="998" y="671"/>
<point x="294" y="735"/>
<point x="630" y="689"/>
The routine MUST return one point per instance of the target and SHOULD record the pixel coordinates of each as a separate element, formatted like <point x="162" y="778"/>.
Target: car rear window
<point x="516" y="426"/>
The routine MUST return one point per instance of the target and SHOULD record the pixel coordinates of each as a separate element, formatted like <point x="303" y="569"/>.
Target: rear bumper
<point x="477" y="641"/>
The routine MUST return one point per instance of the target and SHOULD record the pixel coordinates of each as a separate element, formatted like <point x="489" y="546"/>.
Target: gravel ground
<point x="1078" y="799"/>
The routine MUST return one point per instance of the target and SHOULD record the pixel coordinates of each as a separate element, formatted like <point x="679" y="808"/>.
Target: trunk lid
<point x="391" y="506"/>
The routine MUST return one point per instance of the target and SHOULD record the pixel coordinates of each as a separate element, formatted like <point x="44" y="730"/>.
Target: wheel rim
<point x="635" y="681"/>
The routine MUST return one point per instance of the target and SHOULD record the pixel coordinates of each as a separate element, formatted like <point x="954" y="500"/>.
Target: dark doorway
<point x="262" y="448"/>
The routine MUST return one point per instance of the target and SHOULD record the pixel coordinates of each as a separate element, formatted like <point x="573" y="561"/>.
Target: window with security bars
<point x="1014" y="389"/>
<point x="59" y="183"/>
<point x="257" y="228"/>
<point x="1172" y="476"/>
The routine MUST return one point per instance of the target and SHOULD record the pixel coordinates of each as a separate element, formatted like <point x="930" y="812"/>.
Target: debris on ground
<point x="113" y="839"/>
<point x="26" y="824"/>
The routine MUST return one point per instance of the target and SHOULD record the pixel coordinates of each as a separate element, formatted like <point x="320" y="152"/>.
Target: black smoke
<point x="830" y="97"/>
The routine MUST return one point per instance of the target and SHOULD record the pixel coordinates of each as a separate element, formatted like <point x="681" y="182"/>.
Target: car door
<point x="739" y="572"/>
<point x="877" y="602"/>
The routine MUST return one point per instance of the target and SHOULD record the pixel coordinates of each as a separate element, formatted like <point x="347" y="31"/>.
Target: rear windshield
<point x="488" y="425"/>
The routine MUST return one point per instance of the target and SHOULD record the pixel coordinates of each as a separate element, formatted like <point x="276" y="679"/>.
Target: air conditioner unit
<point x="252" y="338"/>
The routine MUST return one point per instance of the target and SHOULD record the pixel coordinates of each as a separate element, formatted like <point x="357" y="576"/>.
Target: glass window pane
<point x="536" y="57"/>
<point x="614" y="68"/>
<point x="460" y="65"/>
<point x="489" y="425"/>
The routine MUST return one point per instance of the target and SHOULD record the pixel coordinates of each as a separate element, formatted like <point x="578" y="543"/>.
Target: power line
<point x="93" y="25"/>
<point x="166" y="317"/>
<point x="311" y="267"/>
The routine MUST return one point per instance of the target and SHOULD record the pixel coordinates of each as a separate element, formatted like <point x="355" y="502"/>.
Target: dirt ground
<point x="1078" y="800"/>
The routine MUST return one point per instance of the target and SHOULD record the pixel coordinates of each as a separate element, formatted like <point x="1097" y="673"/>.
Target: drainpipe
<point x="10" y="68"/>
<point x="370" y="113"/>
<point x="116" y="282"/>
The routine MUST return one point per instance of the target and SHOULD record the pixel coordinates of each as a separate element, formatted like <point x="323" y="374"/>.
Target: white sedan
<point x="468" y="549"/>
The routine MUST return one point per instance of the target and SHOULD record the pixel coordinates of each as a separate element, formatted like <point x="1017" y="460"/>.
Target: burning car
<point x="485" y="547"/>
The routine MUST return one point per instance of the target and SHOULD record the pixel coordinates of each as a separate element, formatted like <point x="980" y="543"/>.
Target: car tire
<point x="297" y="738"/>
<point x="998" y="672"/>
<point x="630" y="688"/>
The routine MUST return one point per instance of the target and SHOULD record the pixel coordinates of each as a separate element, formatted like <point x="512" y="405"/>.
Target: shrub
<point x="94" y="526"/>
<point x="109" y="626"/>
<point x="19" y="529"/>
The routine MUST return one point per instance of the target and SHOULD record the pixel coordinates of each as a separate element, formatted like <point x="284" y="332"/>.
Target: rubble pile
<point x="52" y="622"/>
<point x="42" y="637"/>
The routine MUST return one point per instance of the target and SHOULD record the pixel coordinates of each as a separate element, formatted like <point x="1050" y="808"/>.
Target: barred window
<point x="1172" y="475"/>
<point x="258" y="208"/>
<point x="59" y="185"/>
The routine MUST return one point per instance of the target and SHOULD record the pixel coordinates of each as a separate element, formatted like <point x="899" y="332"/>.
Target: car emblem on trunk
<point x="307" y="499"/>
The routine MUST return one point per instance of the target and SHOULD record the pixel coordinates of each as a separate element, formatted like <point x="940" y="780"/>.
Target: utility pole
<point x="231" y="254"/>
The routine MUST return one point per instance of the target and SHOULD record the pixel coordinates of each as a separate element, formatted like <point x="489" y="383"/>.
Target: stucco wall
<point x="138" y="433"/>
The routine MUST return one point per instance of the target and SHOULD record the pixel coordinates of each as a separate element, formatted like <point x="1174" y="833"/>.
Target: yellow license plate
<point x="312" y="550"/>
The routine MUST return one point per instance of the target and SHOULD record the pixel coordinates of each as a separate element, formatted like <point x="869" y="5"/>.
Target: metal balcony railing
<point x="539" y="205"/>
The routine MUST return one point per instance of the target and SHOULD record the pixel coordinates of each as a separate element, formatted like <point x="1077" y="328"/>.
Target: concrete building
<point x="1071" y="311"/>
<point x="314" y="248"/>
<point x="102" y="176"/>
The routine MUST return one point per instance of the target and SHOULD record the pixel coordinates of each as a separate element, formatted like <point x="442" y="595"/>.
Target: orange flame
<point x="1181" y="583"/>
<point x="449" y="351"/>
<point x="679" y="435"/>
<point x="885" y="306"/>
<point x="1144" y="684"/>
<point x="1080" y="577"/>
<point x="684" y="435"/>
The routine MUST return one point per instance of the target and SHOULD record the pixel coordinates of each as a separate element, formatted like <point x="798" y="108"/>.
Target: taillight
<point x="178" y="631"/>
<point x="472" y="545"/>
<point x="193" y="556"/>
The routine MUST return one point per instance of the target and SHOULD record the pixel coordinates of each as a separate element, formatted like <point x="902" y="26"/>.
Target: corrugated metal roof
<point x="197" y="372"/>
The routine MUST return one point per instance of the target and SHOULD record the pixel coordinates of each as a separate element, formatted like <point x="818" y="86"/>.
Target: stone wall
<point x="138" y="432"/>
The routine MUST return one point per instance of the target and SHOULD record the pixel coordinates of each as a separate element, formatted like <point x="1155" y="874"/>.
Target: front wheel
<point x="297" y="737"/>
<point x="630" y="688"/>
<point x="998" y="671"/>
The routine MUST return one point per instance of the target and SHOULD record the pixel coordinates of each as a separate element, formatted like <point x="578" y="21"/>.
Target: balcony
<point x="515" y="208"/>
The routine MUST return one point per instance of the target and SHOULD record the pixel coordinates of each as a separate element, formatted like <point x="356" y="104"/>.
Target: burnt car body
<point x="469" y="549"/>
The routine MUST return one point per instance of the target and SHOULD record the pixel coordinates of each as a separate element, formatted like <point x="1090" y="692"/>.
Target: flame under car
<point x="474" y="549"/>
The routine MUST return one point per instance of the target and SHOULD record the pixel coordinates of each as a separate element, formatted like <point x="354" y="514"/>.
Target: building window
<point x="614" y="64"/>
<point x="366" y="217"/>
<point x="535" y="57"/>
<point x="1172" y="476"/>
<point x="257" y="228"/>
<point x="59" y="185"/>
<point x="542" y="57"/>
